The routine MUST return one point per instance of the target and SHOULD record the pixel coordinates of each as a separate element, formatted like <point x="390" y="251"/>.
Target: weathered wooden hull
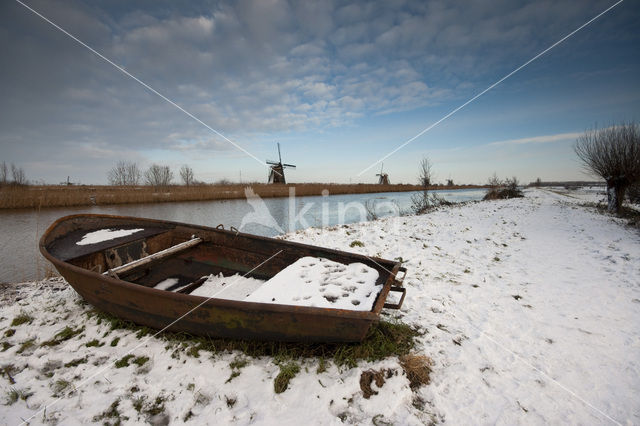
<point x="133" y="299"/>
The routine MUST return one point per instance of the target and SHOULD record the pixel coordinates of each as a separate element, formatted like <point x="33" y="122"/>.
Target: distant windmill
<point x="384" y="178"/>
<point x="276" y="173"/>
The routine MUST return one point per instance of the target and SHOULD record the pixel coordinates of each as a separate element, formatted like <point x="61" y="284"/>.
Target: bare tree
<point x="612" y="153"/>
<point x="422" y="201"/>
<point x="450" y="182"/>
<point x="425" y="174"/>
<point x="512" y="184"/>
<point x="186" y="173"/>
<point x="158" y="176"/>
<point x="494" y="181"/>
<point x="3" y="173"/>
<point x="19" y="178"/>
<point x="133" y="174"/>
<point x="125" y="173"/>
<point x="117" y="175"/>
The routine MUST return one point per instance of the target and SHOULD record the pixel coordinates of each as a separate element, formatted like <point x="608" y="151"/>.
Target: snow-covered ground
<point x="588" y="194"/>
<point x="531" y="309"/>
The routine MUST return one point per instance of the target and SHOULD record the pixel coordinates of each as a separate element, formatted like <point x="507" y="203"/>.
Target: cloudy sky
<point x="339" y="85"/>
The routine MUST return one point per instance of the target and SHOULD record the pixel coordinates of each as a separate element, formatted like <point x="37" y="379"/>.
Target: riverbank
<point x="15" y="197"/>
<point x="527" y="305"/>
<point x="20" y="240"/>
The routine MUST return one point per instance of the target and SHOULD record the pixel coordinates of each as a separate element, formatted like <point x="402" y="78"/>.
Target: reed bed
<point x="13" y="197"/>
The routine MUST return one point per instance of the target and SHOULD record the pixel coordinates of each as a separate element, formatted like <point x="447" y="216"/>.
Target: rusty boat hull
<point x="129" y="293"/>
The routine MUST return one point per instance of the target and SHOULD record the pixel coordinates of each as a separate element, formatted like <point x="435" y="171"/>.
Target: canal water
<point x="21" y="229"/>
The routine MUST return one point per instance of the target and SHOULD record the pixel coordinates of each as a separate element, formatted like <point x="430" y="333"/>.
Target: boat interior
<point x="161" y="251"/>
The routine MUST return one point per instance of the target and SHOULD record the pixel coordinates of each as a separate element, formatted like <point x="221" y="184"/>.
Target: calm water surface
<point x="20" y="230"/>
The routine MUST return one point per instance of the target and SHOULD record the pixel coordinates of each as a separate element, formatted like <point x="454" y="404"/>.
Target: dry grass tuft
<point x="367" y="378"/>
<point x="417" y="368"/>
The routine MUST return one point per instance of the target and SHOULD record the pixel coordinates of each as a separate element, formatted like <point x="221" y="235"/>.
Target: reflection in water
<point x="21" y="229"/>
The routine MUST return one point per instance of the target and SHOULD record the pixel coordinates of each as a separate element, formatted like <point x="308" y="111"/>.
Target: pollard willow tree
<point x="612" y="153"/>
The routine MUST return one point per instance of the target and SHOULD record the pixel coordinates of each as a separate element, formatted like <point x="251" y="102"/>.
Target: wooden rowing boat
<point x="118" y="276"/>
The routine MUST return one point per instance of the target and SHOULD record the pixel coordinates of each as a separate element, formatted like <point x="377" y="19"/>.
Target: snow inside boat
<point x="220" y="283"/>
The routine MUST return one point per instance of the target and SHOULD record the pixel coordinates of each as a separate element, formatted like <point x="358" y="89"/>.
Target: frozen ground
<point x="532" y="312"/>
<point x="589" y="194"/>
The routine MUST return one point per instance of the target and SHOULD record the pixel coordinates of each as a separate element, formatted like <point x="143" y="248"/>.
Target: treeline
<point x="12" y="175"/>
<point x="128" y="173"/>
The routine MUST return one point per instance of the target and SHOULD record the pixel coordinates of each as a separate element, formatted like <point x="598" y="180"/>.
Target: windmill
<point x="276" y="172"/>
<point x="384" y="178"/>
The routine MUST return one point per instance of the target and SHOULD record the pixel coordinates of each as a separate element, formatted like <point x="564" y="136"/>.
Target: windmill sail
<point x="276" y="171"/>
<point x="383" y="177"/>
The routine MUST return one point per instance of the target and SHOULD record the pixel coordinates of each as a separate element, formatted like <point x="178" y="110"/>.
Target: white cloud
<point x="559" y="137"/>
<point x="250" y="68"/>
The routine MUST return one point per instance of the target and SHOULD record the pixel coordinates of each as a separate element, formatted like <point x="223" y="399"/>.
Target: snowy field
<point x="531" y="309"/>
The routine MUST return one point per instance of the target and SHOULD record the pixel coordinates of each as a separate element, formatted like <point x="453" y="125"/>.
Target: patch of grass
<point x="114" y="322"/>
<point x="140" y="360"/>
<point x="142" y="331"/>
<point x="188" y="416"/>
<point x="49" y="368"/>
<point x="419" y="403"/>
<point x="66" y="334"/>
<point x="236" y="365"/>
<point x="8" y="370"/>
<point x="230" y="400"/>
<point x="124" y="361"/>
<point x="322" y="366"/>
<point x="155" y="407"/>
<point x="10" y="332"/>
<point x="417" y="368"/>
<point x="6" y="345"/>
<point x="383" y="340"/>
<point x="194" y="350"/>
<point x="22" y="318"/>
<point x="288" y="371"/>
<point x="115" y="341"/>
<point x="356" y="243"/>
<point x="94" y="343"/>
<point x="26" y="345"/>
<point x="138" y="403"/>
<point x="234" y="374"/>
<point x="14" y="394"/>
<point x="111" y="413"/>
<point x="76" y="362"/>
<point x="59" y="386"/>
